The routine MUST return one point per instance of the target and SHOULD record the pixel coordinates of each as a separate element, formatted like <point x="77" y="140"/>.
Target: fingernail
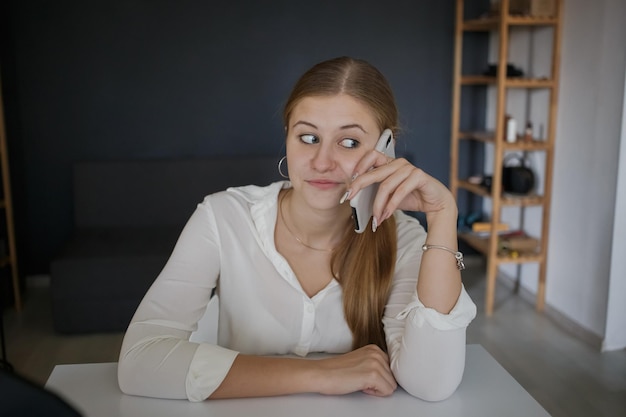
<point x="356" y="174"/>
<point x="345" y="196"/>
<point x="374" y="224"/>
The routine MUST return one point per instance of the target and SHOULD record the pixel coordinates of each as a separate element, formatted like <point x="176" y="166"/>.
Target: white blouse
<point x="228" y="244"/>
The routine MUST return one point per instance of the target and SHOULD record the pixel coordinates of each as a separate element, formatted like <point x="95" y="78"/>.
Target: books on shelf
<point x="482" y="227"/>
<point x="510" y="242"/>
<point x="518" y="241"/>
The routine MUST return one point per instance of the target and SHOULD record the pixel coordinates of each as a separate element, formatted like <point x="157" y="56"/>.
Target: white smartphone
<point x="362" y="204"/>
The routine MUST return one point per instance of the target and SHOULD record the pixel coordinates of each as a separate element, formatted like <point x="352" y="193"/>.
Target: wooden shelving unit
<point x="9" y="259"/>
<point x="500" y="25"/>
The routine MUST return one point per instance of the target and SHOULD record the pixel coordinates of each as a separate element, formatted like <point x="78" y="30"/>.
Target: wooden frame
<point x="488" y="246"/>
<point x="7" y="204"/>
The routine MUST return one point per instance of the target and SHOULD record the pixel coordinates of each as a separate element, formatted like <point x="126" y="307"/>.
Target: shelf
<point x="481" y="136"/>
<point x="520" y="145"/>
<point x="481" y="244"/>
<point x="472" y="106"/>
<point x="477" y="80"/>
<point x="493" y="22"/>
<point x="529" y="83"/>
<point x="476" y="189"/>
<point x="521" y="201"/>
<point x="505" y="199"/>
<point x="511" y="82"/>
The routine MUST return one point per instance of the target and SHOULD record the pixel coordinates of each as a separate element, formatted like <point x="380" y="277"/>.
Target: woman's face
<point x="326" y="137"/>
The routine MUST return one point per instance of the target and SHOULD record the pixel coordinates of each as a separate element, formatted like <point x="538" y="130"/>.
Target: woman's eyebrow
<point x="302" y="122"/>
<point x="354" y="125"/>
<point x="345" y="127"/>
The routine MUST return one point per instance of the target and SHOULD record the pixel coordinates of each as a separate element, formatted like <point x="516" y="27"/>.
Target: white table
<point x="486" y="390"/>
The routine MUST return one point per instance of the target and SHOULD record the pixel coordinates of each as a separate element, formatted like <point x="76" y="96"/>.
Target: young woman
<point x="293" y="278"/>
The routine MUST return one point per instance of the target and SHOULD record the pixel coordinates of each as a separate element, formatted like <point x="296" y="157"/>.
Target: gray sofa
<point x="127" y="217"/>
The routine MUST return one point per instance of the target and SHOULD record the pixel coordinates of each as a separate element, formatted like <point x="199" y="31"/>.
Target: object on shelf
<point x="518" y="241"/>
<point x="517" y="177"/>
<point x="528" y="132"/>
<point x="465" y="221"/>
<point x="486" y="182"/>
<point x="511" y="71"/>
<point x="511" y="129"/>
<point x="475" y="179"/>
<point x="481" y="227"/>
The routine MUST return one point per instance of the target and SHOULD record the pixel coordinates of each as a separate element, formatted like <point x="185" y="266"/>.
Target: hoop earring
<point x="280" y="167"/>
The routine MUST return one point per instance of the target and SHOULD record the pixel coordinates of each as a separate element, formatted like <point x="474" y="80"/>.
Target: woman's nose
<point x="323" y="159"/>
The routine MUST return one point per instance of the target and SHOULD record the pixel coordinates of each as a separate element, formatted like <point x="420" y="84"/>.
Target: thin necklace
<point x="282" y="217"/>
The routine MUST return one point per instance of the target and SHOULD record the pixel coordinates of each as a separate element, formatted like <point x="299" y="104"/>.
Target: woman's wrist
<point x="446" y="218"/>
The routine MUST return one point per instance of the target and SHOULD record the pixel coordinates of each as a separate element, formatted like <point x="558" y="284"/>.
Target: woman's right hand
<point x="365" y="369"/>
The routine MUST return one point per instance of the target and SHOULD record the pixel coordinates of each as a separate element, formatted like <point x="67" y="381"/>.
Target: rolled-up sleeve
<point x="157" y="359"/>
<point x="209" y="367"/>
<point x="426" y="348"/>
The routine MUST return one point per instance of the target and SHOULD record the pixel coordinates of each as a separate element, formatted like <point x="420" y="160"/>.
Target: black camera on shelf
<point x="517" y="177"/>
<point x="511" y="71"/>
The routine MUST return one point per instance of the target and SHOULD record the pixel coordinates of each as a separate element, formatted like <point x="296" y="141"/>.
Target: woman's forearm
<point x="365" y="369"/>
<point x="257" y="376"/>
<point x="439" y="282"/>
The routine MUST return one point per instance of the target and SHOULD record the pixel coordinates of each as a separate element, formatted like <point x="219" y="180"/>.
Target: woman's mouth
<point x="324" y="184"/>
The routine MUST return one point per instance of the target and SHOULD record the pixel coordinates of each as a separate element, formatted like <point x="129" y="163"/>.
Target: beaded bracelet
<point x="458" y="255"/>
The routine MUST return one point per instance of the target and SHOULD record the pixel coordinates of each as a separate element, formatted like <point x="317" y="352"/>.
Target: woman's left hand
<point x="402" y="186"/>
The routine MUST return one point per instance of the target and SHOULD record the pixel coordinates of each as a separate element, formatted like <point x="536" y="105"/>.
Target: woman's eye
<point x="310" y="139"/>
<point x="349" y="143"/>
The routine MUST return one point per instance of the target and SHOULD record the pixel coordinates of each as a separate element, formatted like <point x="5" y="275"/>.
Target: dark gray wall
<point x="144" y="79"/>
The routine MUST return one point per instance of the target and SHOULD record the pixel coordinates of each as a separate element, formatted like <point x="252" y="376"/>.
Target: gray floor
<point x="566" y="376"/>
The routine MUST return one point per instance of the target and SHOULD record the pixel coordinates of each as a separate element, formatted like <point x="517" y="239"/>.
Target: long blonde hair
<point x="362" y="263"/>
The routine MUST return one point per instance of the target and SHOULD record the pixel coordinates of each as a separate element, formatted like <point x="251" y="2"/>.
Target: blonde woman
<point x="293" y="278"/>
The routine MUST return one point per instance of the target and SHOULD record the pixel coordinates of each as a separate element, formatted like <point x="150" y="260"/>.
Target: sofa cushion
<point x="99" y="280"/>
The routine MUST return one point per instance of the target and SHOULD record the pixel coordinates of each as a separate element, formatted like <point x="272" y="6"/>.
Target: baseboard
<point x="560" y="319"/>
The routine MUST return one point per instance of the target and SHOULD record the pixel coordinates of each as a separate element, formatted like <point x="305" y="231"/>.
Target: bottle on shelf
<point x="528" y="132"/>
<point x="511" y="129"/>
